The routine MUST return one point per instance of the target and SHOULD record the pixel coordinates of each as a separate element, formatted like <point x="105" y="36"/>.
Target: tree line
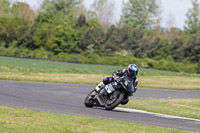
<point x="67" y="27"/>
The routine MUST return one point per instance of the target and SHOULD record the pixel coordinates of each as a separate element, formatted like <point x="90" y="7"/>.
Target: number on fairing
<point x="109" y="88"/>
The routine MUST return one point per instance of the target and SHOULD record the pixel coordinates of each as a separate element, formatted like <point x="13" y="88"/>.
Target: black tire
<point x="119" y="99"/>
<point x="125" y="101"/>
<point x="89" y="100"/>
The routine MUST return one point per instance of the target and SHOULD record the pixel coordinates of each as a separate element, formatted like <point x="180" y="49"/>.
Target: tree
<point x="11" y="29"/>
<point x="46" y="28"/>
<point x="193" y="18"/>
<point x="79" y="10"/>
<point x="44" y="17"/>
<point x="26" y="39"/>
<point x="66" y="37"/>
<point x="114" y="40"/>
<point x="192" y="49"/>
<point x="44" y="35"/>
<point x="92" y="38"/>
<point x="23" y="11"/>
<point x="140" y="13"/>
<point x="64" y="6"/>
<point x="171" y="22"/>
<point x="4" y="7"/>
<point x="103" y="10"/>
<point x="81" y="20"/>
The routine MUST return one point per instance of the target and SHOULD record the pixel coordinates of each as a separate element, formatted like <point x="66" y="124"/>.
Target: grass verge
<point x="50" y="71"/>
<point x="26" y="121"/>
<point x="165" y="82"/>
<point x="189" y="108"/>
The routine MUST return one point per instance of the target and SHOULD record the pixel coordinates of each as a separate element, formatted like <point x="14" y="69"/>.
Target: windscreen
<point x="127" y="83"/>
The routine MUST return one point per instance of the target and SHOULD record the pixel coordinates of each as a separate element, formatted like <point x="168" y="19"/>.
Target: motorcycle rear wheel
<point x="89" y="99"/>
<point x="115" y="102"/>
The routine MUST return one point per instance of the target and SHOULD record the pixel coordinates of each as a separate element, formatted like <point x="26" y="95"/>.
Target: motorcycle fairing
<point x="127" y="83"/>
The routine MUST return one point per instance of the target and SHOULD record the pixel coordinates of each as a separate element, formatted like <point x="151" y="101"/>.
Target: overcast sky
<point x="175" y="8"/>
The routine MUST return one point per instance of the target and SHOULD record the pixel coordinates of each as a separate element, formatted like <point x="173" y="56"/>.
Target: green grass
<point x="43" y="66"/>
<point x="179" y="107"/>
<point x="26" y="121"/>
<point x="51" y="71"/>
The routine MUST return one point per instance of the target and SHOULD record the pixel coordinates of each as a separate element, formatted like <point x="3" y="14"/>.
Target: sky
<point x="174" y="8"/>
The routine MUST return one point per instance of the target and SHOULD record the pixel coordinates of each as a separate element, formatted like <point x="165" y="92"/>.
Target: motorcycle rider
<point x="131" y="72"/>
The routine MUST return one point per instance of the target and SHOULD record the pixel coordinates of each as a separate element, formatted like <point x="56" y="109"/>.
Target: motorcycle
<point x="114" y="97"/>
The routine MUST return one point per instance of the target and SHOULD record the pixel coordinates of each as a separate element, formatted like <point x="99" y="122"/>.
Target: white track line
<point x="156" y="114"/>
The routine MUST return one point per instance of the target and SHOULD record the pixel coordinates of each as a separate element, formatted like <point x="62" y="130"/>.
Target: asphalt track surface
<point x="68" y="99"/>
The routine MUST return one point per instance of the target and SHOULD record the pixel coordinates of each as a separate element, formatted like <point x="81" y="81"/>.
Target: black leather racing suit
<point x="120" y="73"/>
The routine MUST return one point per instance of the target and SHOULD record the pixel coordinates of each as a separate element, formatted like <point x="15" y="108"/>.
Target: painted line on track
<point x="157" y="114"/>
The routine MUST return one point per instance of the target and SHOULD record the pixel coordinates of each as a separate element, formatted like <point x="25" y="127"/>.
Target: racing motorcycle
<point x="114" y="97"/>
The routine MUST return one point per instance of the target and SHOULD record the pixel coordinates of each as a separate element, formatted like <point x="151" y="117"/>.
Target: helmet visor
<point x="133" y="74"/>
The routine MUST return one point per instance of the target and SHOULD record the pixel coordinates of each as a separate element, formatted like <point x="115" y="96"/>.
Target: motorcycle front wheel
<point x="89" y="99"/>
<point x="114" y="101"/>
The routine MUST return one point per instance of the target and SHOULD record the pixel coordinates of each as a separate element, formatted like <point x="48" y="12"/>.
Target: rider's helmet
<point x="132" y="70"/>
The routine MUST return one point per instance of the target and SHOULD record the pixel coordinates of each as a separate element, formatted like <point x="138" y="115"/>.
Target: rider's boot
<point x="100" y="86"/>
